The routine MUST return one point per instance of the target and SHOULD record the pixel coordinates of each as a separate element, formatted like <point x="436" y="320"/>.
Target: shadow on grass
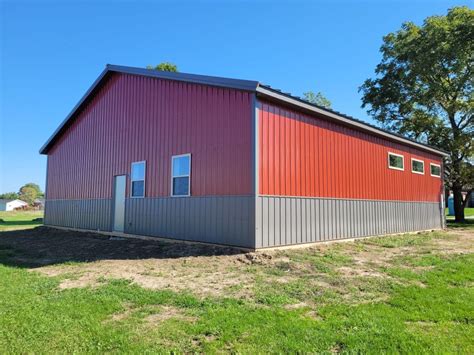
<point x="469" y="223"/>
<point x="43" y="246"/>
<point x="19" y="223"/>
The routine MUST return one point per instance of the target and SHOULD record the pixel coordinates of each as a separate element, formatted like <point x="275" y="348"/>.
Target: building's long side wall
<point x="322" y="181"/>
<point x="134" y="118"/>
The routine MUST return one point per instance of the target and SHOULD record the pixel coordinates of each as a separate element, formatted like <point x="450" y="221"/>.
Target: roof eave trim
<point x="361" y="126"/>
<point x="239" y="84"/>
<point x="44" y="149"/>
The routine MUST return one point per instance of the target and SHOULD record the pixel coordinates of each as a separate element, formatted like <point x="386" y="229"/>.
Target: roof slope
<point x="261" y="90"/>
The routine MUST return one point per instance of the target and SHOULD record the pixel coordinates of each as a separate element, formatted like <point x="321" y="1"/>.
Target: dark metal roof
<point x="247" y="85"/>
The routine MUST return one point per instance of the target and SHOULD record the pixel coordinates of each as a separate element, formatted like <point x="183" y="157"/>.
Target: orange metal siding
<point x="134" y="118"/>
<point x="301" y="155"/>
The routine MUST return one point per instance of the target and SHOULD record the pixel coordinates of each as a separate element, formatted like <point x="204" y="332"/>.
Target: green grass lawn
<point x="468" y="213"/>
<point x="409" y="296"/>
<point x="19" y="219"/>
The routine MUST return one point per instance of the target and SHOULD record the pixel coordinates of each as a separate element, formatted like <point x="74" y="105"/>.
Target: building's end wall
<point x="227" y="220"/>
<point x="134" y="118"/>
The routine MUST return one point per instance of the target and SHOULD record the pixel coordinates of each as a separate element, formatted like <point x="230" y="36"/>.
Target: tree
<point x="317" y="99"/>
<point x="9" y="196"/>
<point x="28" y="194"/>
<point x="39" y="193"/>
<point x="424" y="90"/>
<point x="164" y="66"/>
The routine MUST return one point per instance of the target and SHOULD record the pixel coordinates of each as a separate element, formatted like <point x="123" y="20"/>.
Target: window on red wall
<point x="138" y="179"/>
<point x="181" y="175"/>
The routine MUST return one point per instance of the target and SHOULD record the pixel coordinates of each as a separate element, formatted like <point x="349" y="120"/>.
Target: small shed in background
<point x="11" y="205"/>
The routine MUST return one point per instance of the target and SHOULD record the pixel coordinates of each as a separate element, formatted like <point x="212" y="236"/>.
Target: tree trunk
<point x="458" y="203"/>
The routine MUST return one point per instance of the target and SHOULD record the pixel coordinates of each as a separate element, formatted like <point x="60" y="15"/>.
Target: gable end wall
<point x="135" y="118"/>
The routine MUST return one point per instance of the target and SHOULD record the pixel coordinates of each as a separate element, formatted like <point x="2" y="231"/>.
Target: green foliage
<point x="164" y="66"/>
<point x="28" y="194"/>
<point x="317" y="99"/>
<point x="9" y="196"/>
<point x="15" y="195"/>
<point x="36" y="187"/>
<point x="424" y="89"/>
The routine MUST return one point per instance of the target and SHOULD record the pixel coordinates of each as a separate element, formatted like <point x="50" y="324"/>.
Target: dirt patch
<point x="128" y="310"/>
<point x="86" y="259"/>
<point x="89" y="259"/>
<point x="168" y="312"/>
<point x="44" y="246"/>
<point x="357" y="272"/>
<point x="190" y="274"/>
<point x="260" y="258"/>
<point x="155" y="314"/>
<point x="297" y="305"/>
<point x="461" y="242"/>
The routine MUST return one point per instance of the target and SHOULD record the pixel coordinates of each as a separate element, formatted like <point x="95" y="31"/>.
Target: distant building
<point x="10" y="205"/>
<point x="39" y="204"/>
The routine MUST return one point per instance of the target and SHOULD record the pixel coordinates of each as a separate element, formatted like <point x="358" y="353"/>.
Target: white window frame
<point x="439" y="166"/>
<point x="178" y="176"/>
<point x="394" y="167"/>
<point x="131" y="178"/>
<point x="420" y="161"/>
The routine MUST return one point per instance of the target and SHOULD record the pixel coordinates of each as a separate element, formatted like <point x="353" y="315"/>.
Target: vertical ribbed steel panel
<point x="225" y="220"/>
<point x="301" y="155"/>
<point x="134" y="118"/>
<point x="94" y="214"/>
<point x="317" y="219"/>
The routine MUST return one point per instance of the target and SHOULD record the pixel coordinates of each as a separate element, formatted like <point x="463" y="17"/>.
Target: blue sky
<point x="51" y="52"/>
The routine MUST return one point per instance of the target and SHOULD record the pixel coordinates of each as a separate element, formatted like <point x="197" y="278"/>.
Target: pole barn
<point x="232" y="162"/>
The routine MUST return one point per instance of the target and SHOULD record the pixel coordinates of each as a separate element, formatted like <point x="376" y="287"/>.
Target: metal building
<point x="231" y="162"/>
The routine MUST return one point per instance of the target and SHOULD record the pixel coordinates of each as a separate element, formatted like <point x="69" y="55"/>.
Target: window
<point x="181" y="175"/>
<point x="395" y="161"/>
<point x="435" y="170"/>
<point x="138" y="179"/>
<point x="417" y="166"/>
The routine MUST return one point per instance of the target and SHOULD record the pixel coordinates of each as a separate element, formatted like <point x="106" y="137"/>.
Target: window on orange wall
<point x="435" y="170"/>
<point x="417" y="166"/>
<point x="396" y="161"/>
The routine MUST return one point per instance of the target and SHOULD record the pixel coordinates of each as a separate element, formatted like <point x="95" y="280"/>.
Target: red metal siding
<point x="134" y="118"/>
<point x="300" y="155"/>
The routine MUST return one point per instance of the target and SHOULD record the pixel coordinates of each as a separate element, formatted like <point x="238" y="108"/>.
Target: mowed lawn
<point x="72" y="292"/>
<point x="12" y="220"/>
<point x="468" y="213"/>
